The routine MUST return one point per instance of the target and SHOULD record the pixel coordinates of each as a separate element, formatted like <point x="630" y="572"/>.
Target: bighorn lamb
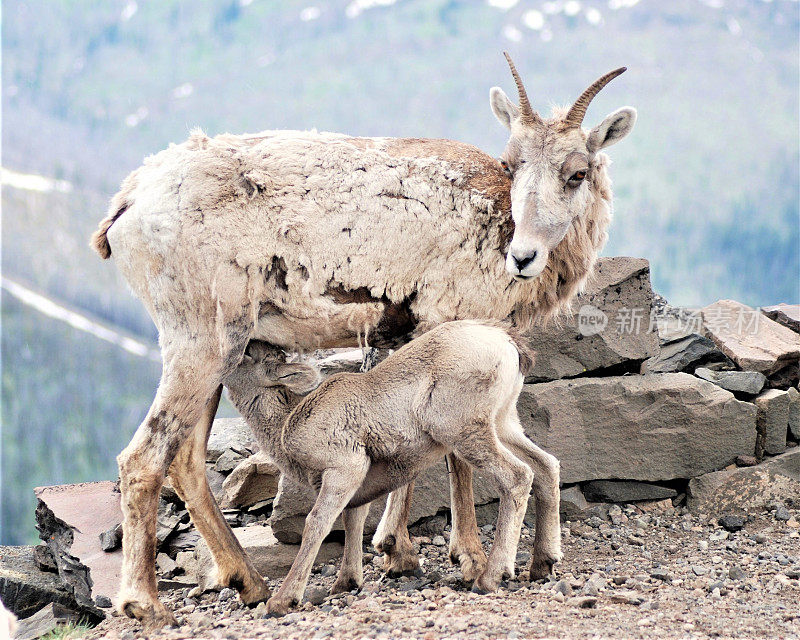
<point x="306" y="240"/>
<point x="361" y="435"/>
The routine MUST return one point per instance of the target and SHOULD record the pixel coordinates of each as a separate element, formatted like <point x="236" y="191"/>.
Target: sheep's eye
<point x="576" y="178"/>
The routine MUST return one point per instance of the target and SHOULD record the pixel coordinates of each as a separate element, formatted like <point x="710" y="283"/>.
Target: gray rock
<point x="732" y="522"/>
<point x="747" y="382"/>
<point x="786" y="314"/>
<point x="625" y="491"/>
<point x="782" y="514"/>
<point x="111" y="539"/>
<point x="751" y="340"/>
<point x="316" y="595"/>
<point x="794" y="412"/>
<point x="747" y="488"/>
<point x="251" y="481"/>
<point x="229" y="433"/>
<point x="228" y="460"/>
<point x="620" y="292"/>
<point x="583" y="602"/>
<point x="772" y="421"/>
<point x="572" y="502"/>
<point x="25" y="589"/>
<point x="44" y="559"/>
<point x="685" y="354"/>
<point x="563" y="586"/>
<point x="652" y="428"/>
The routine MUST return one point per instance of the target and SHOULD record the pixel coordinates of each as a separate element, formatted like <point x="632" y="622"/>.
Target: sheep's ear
<point x="504" y="110"/>
<point x="297" y="377"/>
<point x="611" y="130"/>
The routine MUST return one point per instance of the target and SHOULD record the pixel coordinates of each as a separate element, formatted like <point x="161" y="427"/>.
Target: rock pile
<point x="642" y="402"/>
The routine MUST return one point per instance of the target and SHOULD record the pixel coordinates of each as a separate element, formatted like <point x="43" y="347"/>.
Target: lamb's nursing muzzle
<point x="264" y="365"/>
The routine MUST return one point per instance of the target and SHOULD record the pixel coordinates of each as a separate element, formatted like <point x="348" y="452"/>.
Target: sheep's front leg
<point x="351" y="573"/>
<point x="188" y="474"/>
<point x="391" y="537"/>
<point x="339" y="485"/>
<point x="465" y="543"/>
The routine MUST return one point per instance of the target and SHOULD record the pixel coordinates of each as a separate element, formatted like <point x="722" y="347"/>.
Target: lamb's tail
<point x="120" y="203"/>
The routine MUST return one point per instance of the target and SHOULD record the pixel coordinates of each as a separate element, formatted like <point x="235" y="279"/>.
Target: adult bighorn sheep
<point x="358" y="436"/>
<point x="308" y="240"/>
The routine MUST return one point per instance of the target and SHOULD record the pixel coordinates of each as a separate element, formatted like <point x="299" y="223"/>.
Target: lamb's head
<point x="264" y="365"/>
<point x="551" y="163"/>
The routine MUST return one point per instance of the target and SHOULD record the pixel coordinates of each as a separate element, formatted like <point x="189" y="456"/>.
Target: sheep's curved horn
<point x="577" y="111"/>
<point x="527" y="115"/>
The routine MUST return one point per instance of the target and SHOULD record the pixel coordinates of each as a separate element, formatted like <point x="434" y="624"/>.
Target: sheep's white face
<point x="550" y="162"/>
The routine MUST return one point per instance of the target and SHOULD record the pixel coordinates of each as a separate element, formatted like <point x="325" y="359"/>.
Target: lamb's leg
<point x="547" y="539"/>
<point x="187" y="472"/>
<point x="391" y="537"/>
<point x="338" y="487"/>
<point x="513" y="479"/>
<point x="465" y="543"/>
<point x="187" y="383"/>
<point x="351" y="573"/>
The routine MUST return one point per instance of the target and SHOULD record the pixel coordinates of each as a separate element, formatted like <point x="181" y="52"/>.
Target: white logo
<point x="591" y="320"/>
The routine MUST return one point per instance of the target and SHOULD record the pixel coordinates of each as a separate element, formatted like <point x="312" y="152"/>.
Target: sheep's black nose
<point x="521" y="263"/>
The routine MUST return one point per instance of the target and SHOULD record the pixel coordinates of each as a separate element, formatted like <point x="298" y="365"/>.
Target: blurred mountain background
<point x="706" y="187"/>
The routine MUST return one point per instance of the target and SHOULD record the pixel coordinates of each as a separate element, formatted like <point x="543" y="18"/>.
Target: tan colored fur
<point x="358" y="436"/>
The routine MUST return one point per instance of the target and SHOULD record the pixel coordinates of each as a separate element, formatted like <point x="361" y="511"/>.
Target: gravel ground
<point x="627" y="573"/>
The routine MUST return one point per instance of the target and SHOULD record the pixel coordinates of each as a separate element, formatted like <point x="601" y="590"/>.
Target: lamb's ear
<point x="611" y="130"/>
<point x="504" y="110"/>
<point x="297" y="377"/>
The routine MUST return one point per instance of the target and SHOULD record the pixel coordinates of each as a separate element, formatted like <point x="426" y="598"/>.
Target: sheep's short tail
<point x="527" y="358"/>
<point x="120" y="203"/>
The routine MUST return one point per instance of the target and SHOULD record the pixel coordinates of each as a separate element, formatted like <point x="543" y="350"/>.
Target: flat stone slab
<point x="625" y="491"/>
<point x="253" y="480"/>
<point x="685" y="354"/>
<point x="611" y="324"/>
<point x="786" y="314"/>
<point x="749" y="338"/>
<point x="89" y="509"/>
<point x="270" y="557"/>
<point x="747" y="488"/>
<point x="747" y="382"/>
<point x="652" y="428"/>
<point x="772" y="421"/>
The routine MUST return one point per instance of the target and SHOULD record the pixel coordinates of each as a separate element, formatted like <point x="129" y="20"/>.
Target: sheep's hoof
<point x="483" y="585"/>
<point x="152" y="616"/>
<point x="255" y="593"/>
<point x="472" y="561"/>
<point x="278" y="606"/>
<point x="541" y="568"/>
<point x="345" y="585"/>
<point x="408" y="567"/>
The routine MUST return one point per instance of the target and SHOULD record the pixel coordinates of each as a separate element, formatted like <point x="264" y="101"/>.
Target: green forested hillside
<point x="706" y="187"/>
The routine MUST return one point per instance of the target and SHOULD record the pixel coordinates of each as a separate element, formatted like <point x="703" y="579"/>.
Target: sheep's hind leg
<point x="547" y="539"/>
<point x="351" y="573"/>
<point x="391" y="537"/>
<point x="513" y="479"/>
<point x="465" y="543"/>
<point x="338" y="487"/>
<point x="187" y="472"/>
<point x="187" y="384"/>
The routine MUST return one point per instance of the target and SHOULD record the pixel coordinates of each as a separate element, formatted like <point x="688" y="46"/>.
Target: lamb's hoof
<point x="473" y="562"/>
<point x="346" y="585"/>
<point x="278" y="606"/>
<point x="404" y="569"/>
<point x="255" y="593"/>
<point x="541" y="568"/>
<point x="484" y="584"/>
<point x="152" y="616"/>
